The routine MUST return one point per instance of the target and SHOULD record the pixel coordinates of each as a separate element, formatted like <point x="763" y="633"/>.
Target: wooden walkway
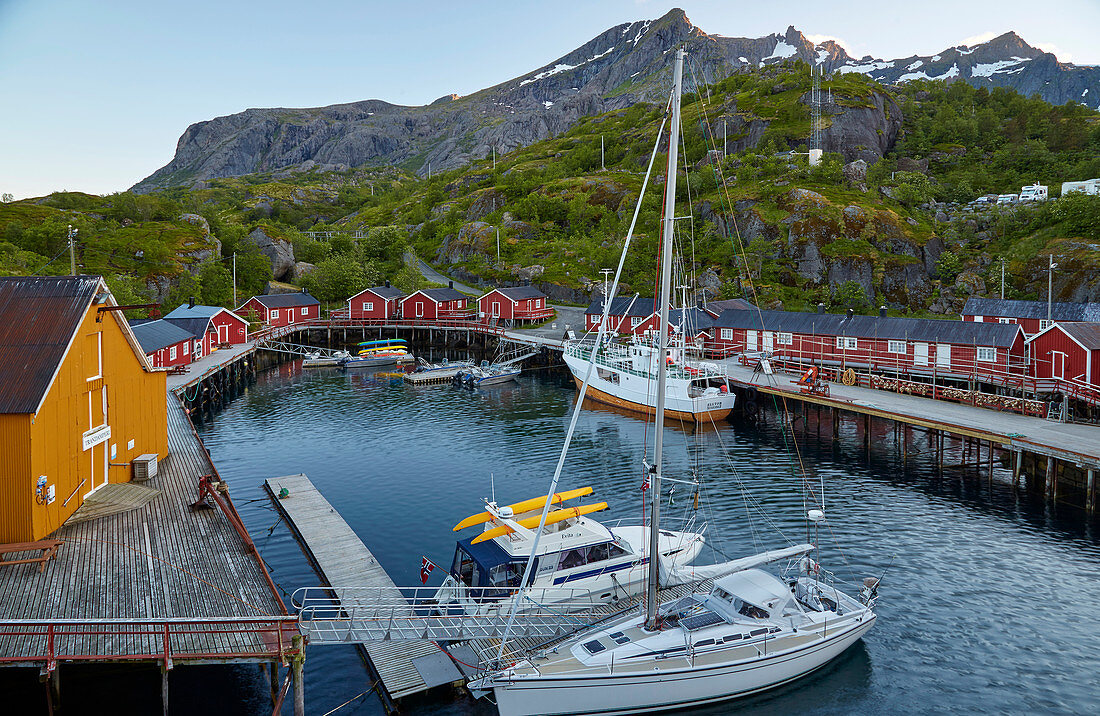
<point x="158" y="562"/>
<point x="342" y="560"/>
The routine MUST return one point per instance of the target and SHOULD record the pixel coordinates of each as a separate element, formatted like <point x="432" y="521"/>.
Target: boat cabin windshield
<point x="581" y="556"/>
<point x="487" y="566"/>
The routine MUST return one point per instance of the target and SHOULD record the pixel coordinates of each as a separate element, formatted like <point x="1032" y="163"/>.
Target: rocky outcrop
<point x="485" y="202"/>
<point x="278" y="251"/>
<point x="474" y="239"/>
<point x="301" y="270"/>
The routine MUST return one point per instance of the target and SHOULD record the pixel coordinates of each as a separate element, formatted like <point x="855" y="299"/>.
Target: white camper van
<point x="1090" y="186"/>
<point x="1034" y="192"/>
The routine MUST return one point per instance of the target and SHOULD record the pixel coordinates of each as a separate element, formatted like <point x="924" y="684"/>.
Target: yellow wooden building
<point x="78" y="400"/>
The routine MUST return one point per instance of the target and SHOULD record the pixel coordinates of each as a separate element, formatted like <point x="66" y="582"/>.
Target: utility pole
<point x="235" y="276"/>
<point x="72" y="249"/>
<point x="429" y="171"/>
<point x="498" y="246"/>
<point x="494" y="159"/>
<point x="1002" y="279"/>
<point x="603" y="167"/>
<point x="1050" y="287"/>
<point x="725" y="144"/>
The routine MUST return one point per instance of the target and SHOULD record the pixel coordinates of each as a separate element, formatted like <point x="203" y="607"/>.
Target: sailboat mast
<point x="662" y="353"/>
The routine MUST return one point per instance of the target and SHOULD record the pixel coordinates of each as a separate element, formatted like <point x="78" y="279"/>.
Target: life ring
<point x="849" y="377"/>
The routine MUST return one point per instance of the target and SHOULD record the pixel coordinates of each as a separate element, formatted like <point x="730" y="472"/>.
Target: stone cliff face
<point x="623" y="65"/>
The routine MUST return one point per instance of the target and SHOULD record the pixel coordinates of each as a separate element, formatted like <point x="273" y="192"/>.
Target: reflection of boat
<point x="751" y="631"/>
<point x="319" y="359"/>
<point x="578" y="557"/>
<point x="486" y="374"/>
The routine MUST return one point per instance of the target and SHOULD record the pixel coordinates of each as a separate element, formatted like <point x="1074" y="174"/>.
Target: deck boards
<point x="343" y="560"/>
<point x="156" y="560"/>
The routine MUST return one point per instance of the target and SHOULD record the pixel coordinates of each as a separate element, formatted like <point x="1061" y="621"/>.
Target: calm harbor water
<point x="988" y="603"/>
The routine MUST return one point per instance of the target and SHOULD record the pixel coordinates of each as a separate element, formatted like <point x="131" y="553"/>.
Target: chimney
<point x="450" y="284"/>
<point x="191" y="302"/>
<point x="851" y="313"/>
<point x="821" y="308"/>
<point x="882" y="311"/>
<point x="387" y="283"/>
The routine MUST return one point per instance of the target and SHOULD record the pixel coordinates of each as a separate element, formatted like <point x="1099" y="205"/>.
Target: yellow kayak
<point x="519" y="508"/>
<point x="533" y="522"/>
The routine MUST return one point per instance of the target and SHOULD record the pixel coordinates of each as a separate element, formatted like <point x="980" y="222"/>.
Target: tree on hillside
<point x="217" y="284"/>
<point x="129" y="291"/>
<point x="336" y="278"/>
<point x="253" y="270"/>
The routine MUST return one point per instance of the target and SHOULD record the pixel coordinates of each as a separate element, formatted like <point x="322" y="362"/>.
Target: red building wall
<point x="229" y="328"/>
<point x="163" y="358"/>
<point x="380" y="308"/>
<point x="506" y="308"/>
<point x="1055" y="355"/>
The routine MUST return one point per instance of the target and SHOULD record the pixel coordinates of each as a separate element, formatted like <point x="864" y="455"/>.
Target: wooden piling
<point x="296" y="663"/>
<point x="164" y="690"/>
<point x="1090" y="491"/>
<point x="1052" y="483"/>
<point x="1016" y="466"/>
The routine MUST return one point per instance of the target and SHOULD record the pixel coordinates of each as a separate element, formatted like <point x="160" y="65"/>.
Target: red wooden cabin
<point x="165" y="343"/>
<point x="1065" y="352"/>
<point x="378" y="303"/>
<point x="1029" y="315"/>
<point x="281" y="309"/>
<point x="212" y="326"/>
<point x="513" y="306"/>
<point x="435" y="304"/>
<point x="628" y="314"/>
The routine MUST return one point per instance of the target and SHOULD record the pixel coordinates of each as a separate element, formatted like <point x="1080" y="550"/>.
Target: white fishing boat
<point x="324" y="359"/>
<point x="577" y="559"/>
<point x="752" y="631"/>
<point x="487" y="374"/>
<point x="443" y="369"/>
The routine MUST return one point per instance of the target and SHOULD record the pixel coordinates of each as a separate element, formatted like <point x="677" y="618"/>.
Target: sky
<point x="95" y="95"/>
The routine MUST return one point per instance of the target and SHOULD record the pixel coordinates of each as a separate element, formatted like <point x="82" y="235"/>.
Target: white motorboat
<point x="577" y="559"/>
<point x="487" y="374"/>
<point x="750" y="632"/>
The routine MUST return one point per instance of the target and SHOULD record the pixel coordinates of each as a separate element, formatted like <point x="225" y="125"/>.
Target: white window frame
<point x="274" y="313"/>
<point x="171" y="353"/>
<point x="368" y="305"/>
<point x="784" y="339"/>
<point x="727" y="334"/>
<point x="987" y="354"/>
<point x="635" y="321"/>
<point x="186" y="347"/>
<point x="1006" y="320"/>
<point x="99" y="358"/>
<point x="943" y="355"/>
<point x="899" y="347"/>
<point x="1045" y="324"/>
<point x="305" y="309"/>
<point x="847" y="343"/>
<point x="978" y="319"/>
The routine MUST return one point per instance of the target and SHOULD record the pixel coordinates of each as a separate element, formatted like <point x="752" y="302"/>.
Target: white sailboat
<point x="752" y="631"/>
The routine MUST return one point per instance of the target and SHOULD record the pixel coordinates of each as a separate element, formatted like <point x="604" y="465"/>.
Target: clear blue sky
<point x="95" y="94"/>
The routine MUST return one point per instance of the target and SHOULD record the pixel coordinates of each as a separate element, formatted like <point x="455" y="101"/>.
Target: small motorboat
<point x="486" y="374"/>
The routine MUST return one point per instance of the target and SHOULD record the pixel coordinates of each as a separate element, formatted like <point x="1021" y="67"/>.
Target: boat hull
<point x="702" y="416"/>
<point x="672" y="688"/>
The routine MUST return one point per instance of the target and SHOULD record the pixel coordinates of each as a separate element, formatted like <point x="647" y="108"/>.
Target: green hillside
<point x="804" y="234"/>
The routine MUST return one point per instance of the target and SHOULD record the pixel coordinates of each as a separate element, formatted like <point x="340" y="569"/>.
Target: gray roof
<point x="440" y="295"/>
<point x="1087" y="334"/>
<point x="158" y="334"/>
<point x="931" y="330"/>
<point x="39" y="315"/>
<point x="1089" y="312"/>
<point x="286" y="300"/>
<point x="384" y="292"/>
<point x="622" y="306"/>
<point x="696" y="319"/>
<point x="729" y="303"/>
<point x="194" y="326"/>
<point x="186" y="311"/>
<point x="519" y="293"/>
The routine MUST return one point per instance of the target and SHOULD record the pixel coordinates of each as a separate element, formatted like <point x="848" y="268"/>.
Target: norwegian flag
<point x="426" y="567"/>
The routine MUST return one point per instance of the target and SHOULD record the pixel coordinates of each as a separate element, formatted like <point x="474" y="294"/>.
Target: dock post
<point x="1052" y="482"/>
<point x="836" y="425"/>
<point x="53" y="687"/>
<point x="164" y="690"/>
<point x="991" y="464"/>
<point x="867" y="433"/>
<point x="1090" y="492"/>
<point x="905" y="434"/>
<point x="296" y="662"/>
<point x="1016" y="468"/>
<point x="273" y="677"/>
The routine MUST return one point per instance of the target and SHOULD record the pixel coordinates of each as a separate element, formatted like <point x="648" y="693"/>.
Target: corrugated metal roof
<point x="39" y="316"/>
<point x="186" y="311"/>
<point x="622" y="306"/>
<point x="195" y="327"/>
<point x="158" y="334"/>
<point x="736" y="304"/>
<point x="439" y="295"/>
<point x="1087" y="334"/>
<point x="1059" y="311"/>
<point x="517" y="293"/>
<point x="384" y="292"/>
<point x="285" y="300"/>
<point x="695" y="319"/>
<point x="930" y="330"/>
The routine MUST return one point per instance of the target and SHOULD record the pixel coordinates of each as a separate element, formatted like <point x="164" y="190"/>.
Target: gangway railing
<point x="335" y="615"/>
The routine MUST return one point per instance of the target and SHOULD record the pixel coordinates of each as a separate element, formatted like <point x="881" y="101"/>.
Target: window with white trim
<point x="978" y="319"/>
<point x="635" y="321"/>
<point x="846" y="343"/>
<point x="896" y="347"/>
<point x="172" y="353"/>
<point x="304" y="309"/>
<point x="987" y="355"/>
<point x="1044" y="324"/>
<point x="368" y="305"/>
<point x="784" y="339"/>
<point x="274" y="313"/>
<point x="727" y="334"/>
<point x="1006" y="320"/>
<point x="186" y="347"/>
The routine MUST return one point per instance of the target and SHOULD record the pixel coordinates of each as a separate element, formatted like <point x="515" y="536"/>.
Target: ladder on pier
<point x="403" y="667"/>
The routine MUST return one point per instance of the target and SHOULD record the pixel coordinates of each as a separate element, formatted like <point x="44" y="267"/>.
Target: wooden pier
<point x="149" y="581"/>
<point x="342" y="560"/>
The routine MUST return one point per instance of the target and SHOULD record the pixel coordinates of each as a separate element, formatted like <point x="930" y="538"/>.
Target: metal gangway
<point x="512" y="351"/>
<point x="297" y="349"/>
<point x="351" y="615"/>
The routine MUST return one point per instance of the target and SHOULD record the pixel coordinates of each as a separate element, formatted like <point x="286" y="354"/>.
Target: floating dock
<point x="403" y="667"/>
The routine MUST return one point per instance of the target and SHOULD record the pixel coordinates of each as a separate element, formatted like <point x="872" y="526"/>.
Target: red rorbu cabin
<point x="1029" y="315"/>
<point x="435" y="304"/>
<point x="378" y="303"/>
<point x="164" y="343"/>
<point x="627" y="314"/>
<point x="1066" y="352"/>
<point x="988" y="353"/>
<point x="212" y="327"/>
<point x="281" y="309"/>
<point x="513" y="306"/>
